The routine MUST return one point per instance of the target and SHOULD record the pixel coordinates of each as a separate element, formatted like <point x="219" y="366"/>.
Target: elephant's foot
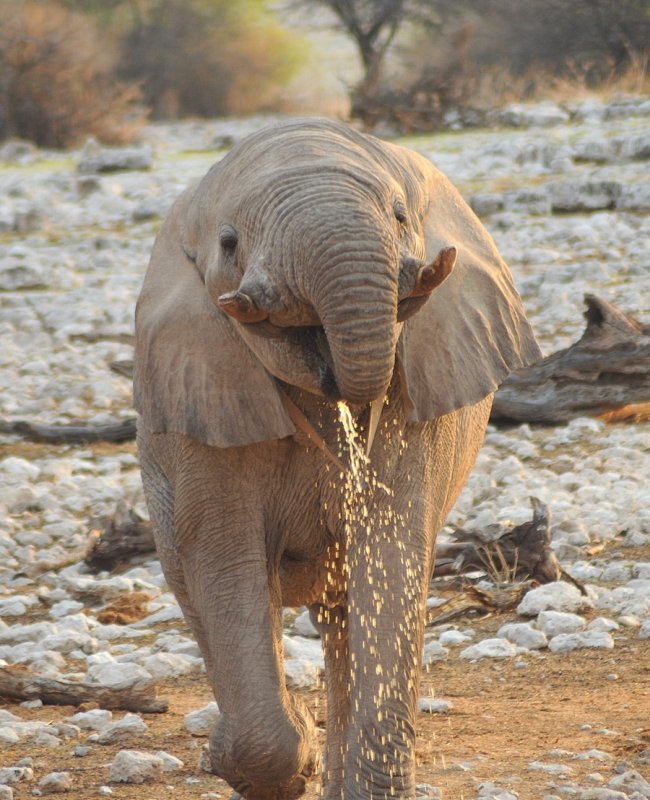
<point x="266" y="761"/>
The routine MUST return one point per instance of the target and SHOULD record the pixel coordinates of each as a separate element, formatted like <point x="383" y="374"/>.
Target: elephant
<point x="316" y="272"/>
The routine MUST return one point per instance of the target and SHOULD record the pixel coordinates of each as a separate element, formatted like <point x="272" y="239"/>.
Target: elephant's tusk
<point x="301" y="422"/>
<point x="373" y="421"/>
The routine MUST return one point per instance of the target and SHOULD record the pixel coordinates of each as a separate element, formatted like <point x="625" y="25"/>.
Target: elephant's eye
<point x="399" y="209"/>
<point x="228" y="238"/>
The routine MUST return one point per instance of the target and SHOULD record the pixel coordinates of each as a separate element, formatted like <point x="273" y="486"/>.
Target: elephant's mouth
<point x="314" y="347"/>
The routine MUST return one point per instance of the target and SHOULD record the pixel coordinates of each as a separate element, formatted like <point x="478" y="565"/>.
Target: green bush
<point x="56" y="79"/>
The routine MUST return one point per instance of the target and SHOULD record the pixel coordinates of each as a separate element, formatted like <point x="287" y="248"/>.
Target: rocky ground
<point x="550" y="701"/>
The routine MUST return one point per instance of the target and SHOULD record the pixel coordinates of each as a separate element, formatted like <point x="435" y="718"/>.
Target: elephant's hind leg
<point x="160" y="503"/>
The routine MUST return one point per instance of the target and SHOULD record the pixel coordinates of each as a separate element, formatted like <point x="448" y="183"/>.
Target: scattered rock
<point x="556" y="596"/>
<point x="10" y="776"/>
<point x="556" y="622"/>
<point x="523" y="635"/>
<point x="429" y="705"/>
<point x="434" y="651"/>
<point x="490" y="648"/>
<point x="539" y="115"/>
<point x="118" y="675"/>
<point x="133" y="766"/>
<point x="114" y="159"/>
<point x="305" y="627"/>
<point x="201" y="722"/>
<point x="170" y="763"/>
<point x="575" y="196"/>
<point x="94" y="720"/>
<point x="565" y="642"/>
<point x="128" y="727"/>
<point x="55" y="782"/>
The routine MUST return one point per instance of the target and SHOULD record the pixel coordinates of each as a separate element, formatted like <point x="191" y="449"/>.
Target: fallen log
<point x="607" y="369"/>
<point x="522" y="552"/>
<point x="19" y="683"/>
<point x="119" y="431"/>
<point x="477" y="601"/>
<point x="118" y="539"/>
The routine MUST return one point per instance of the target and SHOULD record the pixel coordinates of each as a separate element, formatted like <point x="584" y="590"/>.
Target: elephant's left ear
<point x="472" y="332"/>
<point x="193" y="374"/>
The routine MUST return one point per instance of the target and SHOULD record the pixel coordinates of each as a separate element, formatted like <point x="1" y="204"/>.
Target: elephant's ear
<point x="193" y="373"/>
<point x="472" y="332"/>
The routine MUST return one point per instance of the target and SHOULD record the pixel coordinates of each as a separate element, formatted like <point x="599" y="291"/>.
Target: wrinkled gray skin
<point x="323" y="230"/>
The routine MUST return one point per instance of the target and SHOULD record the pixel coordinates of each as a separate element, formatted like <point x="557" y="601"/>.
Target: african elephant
<point x="315" y="264"/>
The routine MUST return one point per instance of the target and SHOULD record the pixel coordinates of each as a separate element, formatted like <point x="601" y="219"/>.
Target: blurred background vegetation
<point x="74" y="68"/>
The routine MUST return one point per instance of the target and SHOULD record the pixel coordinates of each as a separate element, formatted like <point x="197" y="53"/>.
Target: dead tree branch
<point x="607" y="369"/>
<point x="17" y="682"/>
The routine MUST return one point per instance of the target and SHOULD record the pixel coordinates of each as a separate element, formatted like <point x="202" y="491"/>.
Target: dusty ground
<point x="503" y="718"/>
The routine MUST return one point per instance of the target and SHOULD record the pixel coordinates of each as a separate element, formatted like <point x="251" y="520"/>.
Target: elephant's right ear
<point x="193" y="374"/>
<point x="473" y="331"/>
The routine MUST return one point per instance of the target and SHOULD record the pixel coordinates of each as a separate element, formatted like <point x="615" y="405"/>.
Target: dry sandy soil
<point x="503" y="717"/>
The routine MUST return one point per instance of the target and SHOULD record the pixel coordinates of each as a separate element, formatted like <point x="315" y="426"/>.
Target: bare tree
<point x="372" y="24"/>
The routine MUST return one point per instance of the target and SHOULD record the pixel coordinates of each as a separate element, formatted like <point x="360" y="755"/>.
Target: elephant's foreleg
<point x="332" y="625"/>
<point x="387" y="578"/>
<point x="263" y="743"/>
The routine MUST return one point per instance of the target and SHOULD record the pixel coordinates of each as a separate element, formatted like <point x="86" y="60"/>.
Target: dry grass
<point x="493" y="87"/>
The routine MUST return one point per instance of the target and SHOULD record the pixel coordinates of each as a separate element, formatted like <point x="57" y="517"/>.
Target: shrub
<point x="56" y="82"/>
<point x="209" y="58"/>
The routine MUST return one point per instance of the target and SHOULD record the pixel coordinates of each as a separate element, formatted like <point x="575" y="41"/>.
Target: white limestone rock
<point x="490" y="648"/>
<point x="55" y="782"/>
<point x="555" y="596"/>
<point x="130" y="726"/>
<point x="553" y="623"/>
<point x="490" y="791"/>
<point x="114" y="159"/>
<point x="452" y="637"/>
<point x="523" y="634"/>
<point x="538" y="115"/>
<point x="631" y="781"/>
<point x="430" y="705"/>
<point x="565" y="642"/>
<point x="134" y="766"/>
<point x="118" y="675"/>
<point x="94" y="720"/>
<point x="644" y="629"/>
<point x="16" y="605"/>
<point x="305" y="627"/>
<point x="6" y="793"/>
<point x="170" y="762"/>
<point x="171" y="665"/>
<point x="303" y="648"/>
<point x="300" y="673"/>
<point x="603" y="624"/>
<point x="10" y="776"/>
<point x="8" y="736"/>
<point x="15" y="468"/>
<point x="434" y="651"/>
<point x="201" y="722"/>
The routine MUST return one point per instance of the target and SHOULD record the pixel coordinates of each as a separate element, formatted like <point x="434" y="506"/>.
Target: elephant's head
<point x="313" y="254"/>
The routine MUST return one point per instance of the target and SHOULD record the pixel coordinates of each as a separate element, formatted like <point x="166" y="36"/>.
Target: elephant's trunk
<point x="358" y="311"/>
